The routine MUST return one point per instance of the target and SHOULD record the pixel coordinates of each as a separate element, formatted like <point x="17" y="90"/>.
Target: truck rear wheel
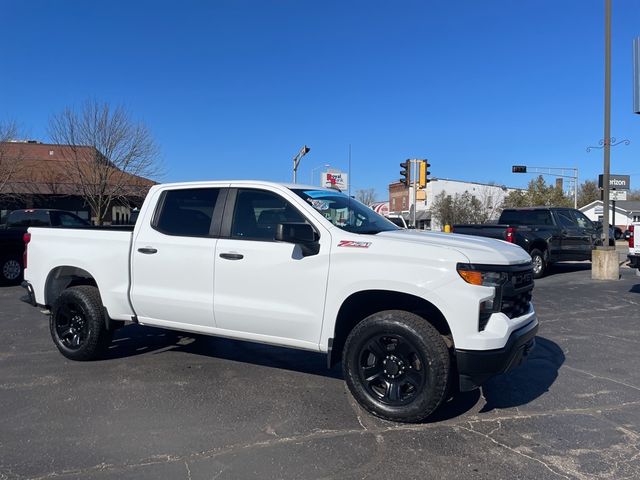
<point x="77" y="324"/>
<point x="396" y="366"/>
<point x="10" y="270"/>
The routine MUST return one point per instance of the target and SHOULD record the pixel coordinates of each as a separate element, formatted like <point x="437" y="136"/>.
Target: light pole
<point x="314" y="169"/>
<point x="296" y="161"/>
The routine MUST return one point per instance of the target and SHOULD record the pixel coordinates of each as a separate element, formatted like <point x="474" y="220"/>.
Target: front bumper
<point x="477" y="366"/>
<point x="634" y="261"/>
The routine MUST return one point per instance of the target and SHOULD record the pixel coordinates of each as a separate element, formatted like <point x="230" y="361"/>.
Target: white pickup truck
<point x="410" y="314"/>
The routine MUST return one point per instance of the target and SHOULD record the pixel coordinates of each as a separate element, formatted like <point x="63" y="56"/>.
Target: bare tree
<point x="107" y="153"/>
<point x="366" y="196"/>
<point x="9" y="164"/>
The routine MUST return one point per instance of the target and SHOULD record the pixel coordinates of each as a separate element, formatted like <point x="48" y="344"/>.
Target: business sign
<point x="618" y="182"/>
<point x="335" y="179"/>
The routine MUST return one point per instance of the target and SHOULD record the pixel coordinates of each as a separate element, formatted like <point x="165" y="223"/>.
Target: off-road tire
<point x="430" y="357"/>
<point x="79" y="305"/>
<point x="540" y="263"/>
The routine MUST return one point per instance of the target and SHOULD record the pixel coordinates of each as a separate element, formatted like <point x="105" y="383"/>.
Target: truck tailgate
<point x="103" y="254"/>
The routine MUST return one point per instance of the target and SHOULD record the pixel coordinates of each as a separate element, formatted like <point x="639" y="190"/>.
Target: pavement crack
<point x="513" y="450"/>
<point x="601" y="377"/>
<point x="188" y="470"/>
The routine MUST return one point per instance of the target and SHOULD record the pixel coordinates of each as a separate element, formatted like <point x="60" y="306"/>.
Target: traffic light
<point x="423" y="177"/>
<point x="519" y="169"/>
<point x="406" y="176"/>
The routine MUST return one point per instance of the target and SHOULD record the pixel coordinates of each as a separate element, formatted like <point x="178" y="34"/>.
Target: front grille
<point x="516" y="293"/>
<point x="517" y="305"/>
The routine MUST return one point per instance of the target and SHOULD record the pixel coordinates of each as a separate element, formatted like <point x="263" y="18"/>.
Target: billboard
<point x="335" y="179"/>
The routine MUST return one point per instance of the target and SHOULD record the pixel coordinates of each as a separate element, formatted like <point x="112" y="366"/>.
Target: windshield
<point x="345" y="212"/>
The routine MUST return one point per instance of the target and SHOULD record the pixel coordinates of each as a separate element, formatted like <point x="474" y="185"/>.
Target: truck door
<point x="265" y="288"/>
<point x="576" y="241"/>
<point x="173" y="259"/>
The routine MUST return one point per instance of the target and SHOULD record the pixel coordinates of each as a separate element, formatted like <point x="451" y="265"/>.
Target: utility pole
<point x="607" y="120"/>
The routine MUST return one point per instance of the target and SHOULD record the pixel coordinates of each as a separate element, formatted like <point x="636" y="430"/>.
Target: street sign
<point x="619" y="182"/>
<point x="618" y="195"/>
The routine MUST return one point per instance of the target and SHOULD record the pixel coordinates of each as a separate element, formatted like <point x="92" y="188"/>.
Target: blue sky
<point x="233" y="89"/>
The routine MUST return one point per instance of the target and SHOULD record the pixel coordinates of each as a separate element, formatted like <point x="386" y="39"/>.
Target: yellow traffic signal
<point x="423" y="177"/>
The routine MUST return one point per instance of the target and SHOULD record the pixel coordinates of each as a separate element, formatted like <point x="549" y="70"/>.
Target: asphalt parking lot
<point x="165" y="405"/>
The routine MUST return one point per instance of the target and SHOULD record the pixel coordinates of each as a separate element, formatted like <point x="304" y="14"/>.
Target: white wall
<point x="594" y="211"/>
<point x="493" y="194"/>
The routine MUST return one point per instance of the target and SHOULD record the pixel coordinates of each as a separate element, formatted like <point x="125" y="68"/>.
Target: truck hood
<point x="479" y="250"/>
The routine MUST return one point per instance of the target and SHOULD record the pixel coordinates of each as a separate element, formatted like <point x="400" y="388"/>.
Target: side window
<point x="257" y="212"/>
<point x="583" y="221"/>
<point x="187" y="212"/>
<point x="565" y="219"/>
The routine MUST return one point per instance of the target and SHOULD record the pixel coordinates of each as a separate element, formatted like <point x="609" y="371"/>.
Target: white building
<point x="627" y="212"/>
<point x="490" y="196"/>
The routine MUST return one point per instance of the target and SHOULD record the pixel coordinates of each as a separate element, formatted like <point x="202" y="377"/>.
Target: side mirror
<point x="301" y="234"/>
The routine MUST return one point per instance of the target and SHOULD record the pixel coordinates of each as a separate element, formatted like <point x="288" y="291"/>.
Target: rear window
<point x="66" y="219"/>
<point x="28" y="218"/>
<point x="187" y="212"/>
<point x="526" y="217"/>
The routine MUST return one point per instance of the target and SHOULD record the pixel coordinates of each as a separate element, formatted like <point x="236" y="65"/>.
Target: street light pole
<point x="296" y="161"/>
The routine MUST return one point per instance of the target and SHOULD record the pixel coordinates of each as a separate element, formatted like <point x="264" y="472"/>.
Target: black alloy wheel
<point x="71" y="326"/>
<point x="397" y="365"/>
<point x="391" y="369"/>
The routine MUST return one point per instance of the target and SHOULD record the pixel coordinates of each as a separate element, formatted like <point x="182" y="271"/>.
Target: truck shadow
<point x="135" y="340"/>
<point x="568" y="267"/>
<point x="523" y="385"/>
<point x="519" y="387"/>
<point x="529" y="381"/>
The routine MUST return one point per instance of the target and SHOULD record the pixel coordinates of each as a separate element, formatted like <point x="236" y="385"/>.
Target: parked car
<point x="627" y="234"/>
<point x="398" y="220"/>
<point x="548" y="234"/>
<point x="634" y="246"/>
<point x="406" y="312"/>
<point x="11" y="250"/>
<point x="11" y="236"/>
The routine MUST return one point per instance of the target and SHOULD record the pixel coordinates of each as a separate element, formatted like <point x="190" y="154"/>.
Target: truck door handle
<point x="148" y="250"/>
<point x="232" y="256"/>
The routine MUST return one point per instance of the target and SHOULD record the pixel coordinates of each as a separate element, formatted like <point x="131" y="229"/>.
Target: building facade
<point x="400" y="201"/>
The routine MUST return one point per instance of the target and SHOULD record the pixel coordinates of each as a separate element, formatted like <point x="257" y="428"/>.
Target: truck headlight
<point x="477" y="276"/>
<point x="486" y="277"/>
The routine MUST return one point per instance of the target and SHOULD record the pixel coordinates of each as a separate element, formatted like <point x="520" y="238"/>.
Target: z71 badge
<point x="352" y="244"/>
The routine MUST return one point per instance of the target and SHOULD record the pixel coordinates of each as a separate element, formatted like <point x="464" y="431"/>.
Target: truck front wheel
<point x="77" y="324"/>
<point x="396" y="366"/>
